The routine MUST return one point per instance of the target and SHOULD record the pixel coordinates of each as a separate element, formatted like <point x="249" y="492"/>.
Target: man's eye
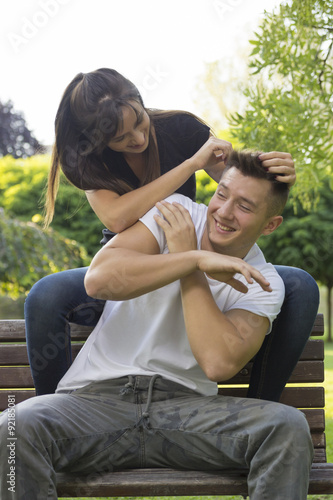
<point x="246" y="209"/>
<point x="221" y="195"/>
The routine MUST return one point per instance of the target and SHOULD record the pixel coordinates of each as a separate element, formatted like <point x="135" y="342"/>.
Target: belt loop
<point x="127" y="387"/>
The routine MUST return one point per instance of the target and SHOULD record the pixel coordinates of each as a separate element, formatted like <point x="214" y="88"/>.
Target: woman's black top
<point x="179" y="137"/>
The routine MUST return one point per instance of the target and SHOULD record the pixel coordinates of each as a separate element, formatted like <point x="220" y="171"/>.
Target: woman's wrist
<point x="192" y="165"/>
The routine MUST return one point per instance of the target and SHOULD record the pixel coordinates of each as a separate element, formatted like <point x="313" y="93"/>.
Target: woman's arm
<point x="120" y="212"/>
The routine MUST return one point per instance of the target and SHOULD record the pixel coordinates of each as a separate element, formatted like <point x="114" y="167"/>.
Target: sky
<point x="161" y="46"/>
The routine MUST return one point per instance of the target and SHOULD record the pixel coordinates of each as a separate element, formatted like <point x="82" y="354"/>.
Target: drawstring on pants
<point x="145" y="414"/>
<point x="130" y="387"/>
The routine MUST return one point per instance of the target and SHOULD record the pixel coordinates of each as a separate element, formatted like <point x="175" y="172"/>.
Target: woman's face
<point x="133" y="135"/>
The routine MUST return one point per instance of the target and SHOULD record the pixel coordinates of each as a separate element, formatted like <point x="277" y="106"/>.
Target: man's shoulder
<point x="197" y="212"/>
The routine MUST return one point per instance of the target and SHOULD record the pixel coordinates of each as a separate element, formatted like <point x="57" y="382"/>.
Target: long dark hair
<point x="88" y="117"/>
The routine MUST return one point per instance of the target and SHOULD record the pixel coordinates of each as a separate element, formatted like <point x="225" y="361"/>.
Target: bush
<point x="27" y="254"/>
<point x="22" y="188"/>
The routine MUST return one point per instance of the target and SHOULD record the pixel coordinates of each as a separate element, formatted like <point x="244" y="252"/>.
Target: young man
<point x="190" y="300"/>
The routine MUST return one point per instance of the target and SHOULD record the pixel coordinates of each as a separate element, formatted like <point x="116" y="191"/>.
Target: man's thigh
<point x="77" y="432"/>
<point x="211" y="432"/>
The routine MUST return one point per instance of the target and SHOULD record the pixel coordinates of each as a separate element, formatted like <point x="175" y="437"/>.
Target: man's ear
<point x="272" y="224"/>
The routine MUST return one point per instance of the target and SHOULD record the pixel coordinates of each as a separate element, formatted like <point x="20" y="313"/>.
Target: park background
<point x="260" y="73"/>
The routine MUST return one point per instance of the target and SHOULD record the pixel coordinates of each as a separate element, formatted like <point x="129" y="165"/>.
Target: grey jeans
<point x="152" y="422"/>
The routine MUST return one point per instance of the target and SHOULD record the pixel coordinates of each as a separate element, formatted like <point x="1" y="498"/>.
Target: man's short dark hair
<point x="249" y="164"/>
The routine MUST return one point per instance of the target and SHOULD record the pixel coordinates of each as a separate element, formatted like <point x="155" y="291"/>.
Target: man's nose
<point x="226" y="210"/>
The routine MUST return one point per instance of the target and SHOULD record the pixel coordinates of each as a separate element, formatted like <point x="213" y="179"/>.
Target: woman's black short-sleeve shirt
<point x="179" y="137"/>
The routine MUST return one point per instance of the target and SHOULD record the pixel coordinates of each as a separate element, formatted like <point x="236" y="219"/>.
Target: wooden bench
<point x="16" y="385"/>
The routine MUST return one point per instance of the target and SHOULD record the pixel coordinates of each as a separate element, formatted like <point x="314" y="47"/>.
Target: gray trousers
<point x="151" y="422"/>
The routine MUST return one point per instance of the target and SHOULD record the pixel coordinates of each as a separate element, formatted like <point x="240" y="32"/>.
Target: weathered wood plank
<point x="14" y="329"/>
<point x="17" y="354"/>
<point x="298" y="397"/>
<point x="305" y="371"/>
<point x="170" y="482"/>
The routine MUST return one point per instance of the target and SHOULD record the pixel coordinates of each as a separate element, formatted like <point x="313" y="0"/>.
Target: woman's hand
<point x="280" y="164"/>
<point x="214" y="153"/>
<point x="177" y="225"/>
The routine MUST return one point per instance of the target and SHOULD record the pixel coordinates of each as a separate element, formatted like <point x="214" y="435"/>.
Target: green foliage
<point x="290" y="99"/>
<point x="22" y="187"/>
<point x="27" y="254"/>
<point x="305" y="240"/>
<point x="206" y="187"/>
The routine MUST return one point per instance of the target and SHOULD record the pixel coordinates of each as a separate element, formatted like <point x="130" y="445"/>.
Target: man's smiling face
<point x="237" y="214"/>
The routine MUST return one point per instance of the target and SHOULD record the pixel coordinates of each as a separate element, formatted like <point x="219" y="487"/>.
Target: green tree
<point x="290" y="91"/>
<point x="27" y="254"/>
<point x="22" y="186"/>
<point x="305" y="240"/>
<point x="15" y="137"/>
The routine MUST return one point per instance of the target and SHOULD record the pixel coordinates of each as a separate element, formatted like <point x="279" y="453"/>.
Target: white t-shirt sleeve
<point x="256" y="300"/>
<point x="149" y="221"/>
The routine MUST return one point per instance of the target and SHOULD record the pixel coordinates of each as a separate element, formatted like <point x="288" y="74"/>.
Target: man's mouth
<point x="225" y="228"/>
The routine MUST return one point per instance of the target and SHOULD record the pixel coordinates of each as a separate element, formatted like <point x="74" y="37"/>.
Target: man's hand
<point x="280" y="164"/>
<point x="177" y="226"/>
<point x="223" y="268"/>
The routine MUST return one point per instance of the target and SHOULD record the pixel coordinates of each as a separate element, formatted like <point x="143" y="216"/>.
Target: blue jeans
<point x="140" y="421"/>
<point x="61" y="298"/>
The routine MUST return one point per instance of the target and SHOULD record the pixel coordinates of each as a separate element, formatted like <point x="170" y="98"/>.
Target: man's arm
<point x="131" y="265"/>
<point x="222" y="343"/>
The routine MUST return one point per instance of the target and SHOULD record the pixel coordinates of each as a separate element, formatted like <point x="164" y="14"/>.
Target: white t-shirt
<point x="146" y="335"/>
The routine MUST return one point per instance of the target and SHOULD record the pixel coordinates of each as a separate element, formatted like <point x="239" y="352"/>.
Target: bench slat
<point x="298" y="397"/>
<point x="16" y="354"/>
<point x="170" y="482"/>
<point x="313" y="395"/>
<point x="14" y="329"/>
<point x="305" y="371"/>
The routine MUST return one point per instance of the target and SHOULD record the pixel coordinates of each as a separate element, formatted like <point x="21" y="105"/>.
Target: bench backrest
<point x="304" y="390"/>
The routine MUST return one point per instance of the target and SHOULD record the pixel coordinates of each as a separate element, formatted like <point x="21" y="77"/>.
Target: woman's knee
<point x="298" y="280"/>
<point x="55" y="289"/>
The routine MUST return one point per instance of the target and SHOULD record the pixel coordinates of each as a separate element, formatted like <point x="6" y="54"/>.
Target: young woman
<point x="126" y="158"/>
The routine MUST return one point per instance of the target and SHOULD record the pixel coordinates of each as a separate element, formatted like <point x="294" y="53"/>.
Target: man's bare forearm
<point x="122" y="274"/>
